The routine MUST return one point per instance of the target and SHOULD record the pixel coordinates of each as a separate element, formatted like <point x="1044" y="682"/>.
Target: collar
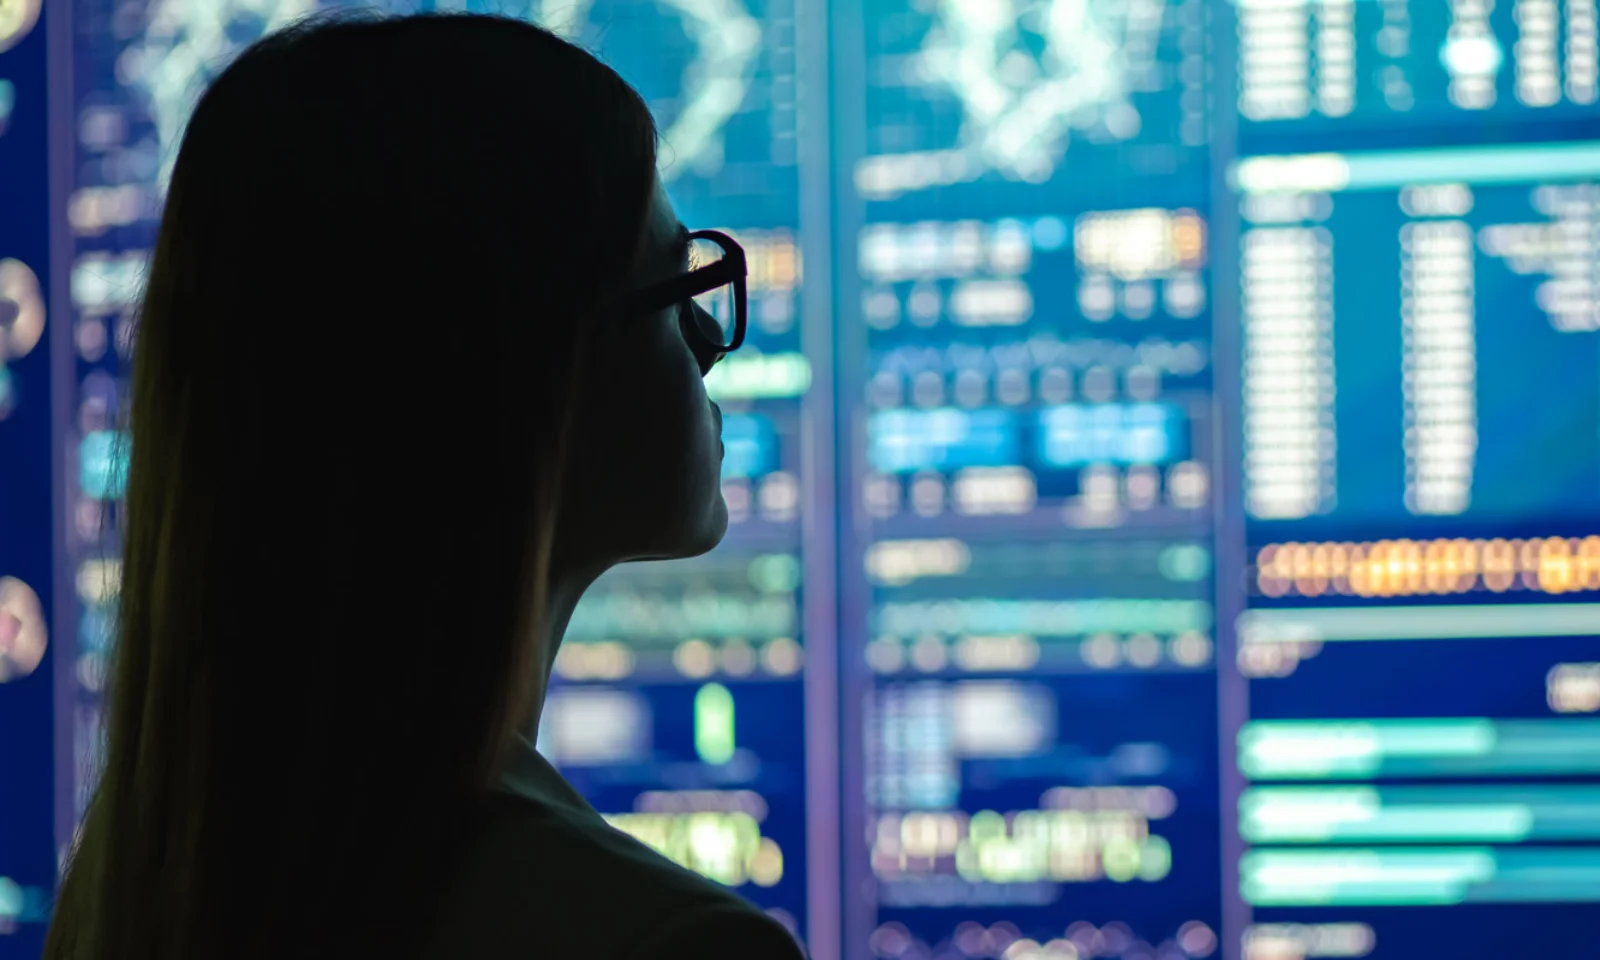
<point x="527" y="774"/>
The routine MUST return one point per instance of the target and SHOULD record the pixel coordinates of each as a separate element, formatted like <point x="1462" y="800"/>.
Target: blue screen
<point x="1413" y="725"/>
<point x="1441" y="303"/>
<point x="1350" y="68"/>
<point x="27" y="663"/>
<point x="1163" y="469"/>
<point x="1028" y="277"/>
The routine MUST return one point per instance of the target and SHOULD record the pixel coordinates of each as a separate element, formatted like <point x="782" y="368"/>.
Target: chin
<point x="710" y="532"/>
<point x="693" y="539"/>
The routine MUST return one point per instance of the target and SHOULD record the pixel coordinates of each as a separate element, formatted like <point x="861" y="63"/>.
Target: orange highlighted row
<point x="1408" y="568"/>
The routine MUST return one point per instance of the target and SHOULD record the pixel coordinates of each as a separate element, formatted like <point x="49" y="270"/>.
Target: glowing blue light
<point x="1076" y="435"/>
<point x="1050" y="233"/>
<point x="749" y="446"/>
<point x="102" y="465"/>
<point x="904" y="441"/>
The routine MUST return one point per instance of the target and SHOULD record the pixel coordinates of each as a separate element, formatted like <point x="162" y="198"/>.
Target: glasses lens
<point x="717" y="303"/>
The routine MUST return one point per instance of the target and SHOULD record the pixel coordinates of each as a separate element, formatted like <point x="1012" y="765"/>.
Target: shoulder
<point x="536" y="880"/>
<point x="720" y="933"/>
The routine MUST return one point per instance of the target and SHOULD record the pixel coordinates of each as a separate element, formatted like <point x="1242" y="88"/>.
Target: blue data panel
<point x="1322" y="68"/>
<point x="678" y="703"/>
<point x="1034" y="180"/>
<point x="31" y="661"/>
<point x="1422" y="336"/>
<point x="988" y="105"/>
<point x="1027" y="290"/>
<point x="1421" y="433"/>
<point x="678" y="711"/>
<point x="719" y="78"/>
<point x="1419" y="775"/>
<point x="1040" y="758"/>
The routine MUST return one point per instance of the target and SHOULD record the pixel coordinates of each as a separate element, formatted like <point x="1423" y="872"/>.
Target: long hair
<point x="354" y="359"/>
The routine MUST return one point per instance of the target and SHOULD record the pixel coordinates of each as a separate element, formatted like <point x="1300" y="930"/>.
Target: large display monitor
<point x="1025" y="368"/>
<point x="1417" y="755"/>
<point x="1164" y="471"/>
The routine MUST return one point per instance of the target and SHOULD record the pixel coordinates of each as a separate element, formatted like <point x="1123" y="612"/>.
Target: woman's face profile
<point x="646" y="452"/>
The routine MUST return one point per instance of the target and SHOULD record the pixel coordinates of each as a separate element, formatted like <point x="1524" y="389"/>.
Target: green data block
<point x="1456" y="813"/>
<point x="713" y="723"/>
<point x="1445" y="747"/>
<point x="1418" y="876"/>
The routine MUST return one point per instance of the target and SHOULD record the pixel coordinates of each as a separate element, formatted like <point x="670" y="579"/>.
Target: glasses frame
<point x="681" y="290"/>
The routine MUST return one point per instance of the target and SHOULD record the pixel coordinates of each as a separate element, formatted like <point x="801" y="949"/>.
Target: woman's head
<point x="381" y="404"/>
<point x="645" y="468"/>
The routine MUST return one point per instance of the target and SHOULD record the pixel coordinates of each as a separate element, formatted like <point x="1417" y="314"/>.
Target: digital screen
<point x="1415" y="752"/>
<point x="1030" y="281"/>
<point x="1163" y="470"/>
<point x="28" y="648"/>
<point x="1420" y="758"/>
<point x="1032" y="766"/>
<point x="677" y="709"/>
<point x="1422" y="334"/>
<point x="1333" y="68"/>
<point x="978" y="105"/>
<point x="720" y="80"/>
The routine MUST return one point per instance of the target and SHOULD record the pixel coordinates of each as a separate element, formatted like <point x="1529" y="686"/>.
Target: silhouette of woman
<point x="417" y="360"/>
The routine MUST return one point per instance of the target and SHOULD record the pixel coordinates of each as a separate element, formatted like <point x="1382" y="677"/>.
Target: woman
<point x="417" y="361"/>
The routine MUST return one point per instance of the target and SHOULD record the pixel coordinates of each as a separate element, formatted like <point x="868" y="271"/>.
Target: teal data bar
<point x="1418" y="877"/>
<point x="1454" y="622"/>
<point x="1063" y="618"/>
<point x="1432" y="814"/>
<point x="1446" y="747"/>
<point x="1392" y="169"/>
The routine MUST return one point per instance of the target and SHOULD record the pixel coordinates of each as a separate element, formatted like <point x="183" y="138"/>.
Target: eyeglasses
<point x="710" y="297"/>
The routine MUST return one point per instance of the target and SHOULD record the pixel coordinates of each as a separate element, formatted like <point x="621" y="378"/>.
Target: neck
<point x="566" y="589"/>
